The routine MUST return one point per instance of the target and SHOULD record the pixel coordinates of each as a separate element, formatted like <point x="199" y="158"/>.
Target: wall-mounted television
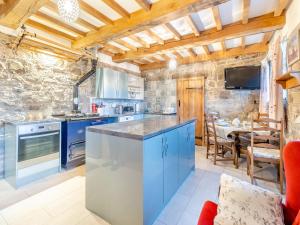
<point x="244" y="77"/>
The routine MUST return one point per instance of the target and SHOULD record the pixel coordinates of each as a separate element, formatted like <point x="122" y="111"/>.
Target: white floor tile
<point x="60" y="199"/>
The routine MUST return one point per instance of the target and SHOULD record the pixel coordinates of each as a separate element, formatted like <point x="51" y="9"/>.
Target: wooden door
<point x="190" y="103"/>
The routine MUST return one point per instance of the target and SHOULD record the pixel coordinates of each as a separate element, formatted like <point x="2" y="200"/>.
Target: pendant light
<point x="68" y="10"/>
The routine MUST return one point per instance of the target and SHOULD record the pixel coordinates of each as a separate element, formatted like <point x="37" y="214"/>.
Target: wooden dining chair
<point x="266" y="146"/>
<point x="221" y="145"/>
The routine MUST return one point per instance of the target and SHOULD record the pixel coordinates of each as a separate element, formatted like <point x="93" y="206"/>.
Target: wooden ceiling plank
<point x="172" y="30"/>
<point x="192" y="25"/>
<point x="14" y="13"/>
<point x="65" y="26"/>
<point x="53" y="7"/>
<point x="144" y="4"/>
<point x="116" y="7"/>
<point x="52" y="48"/>
<point x="126" y="44"/>
<point x="267" y="37"/>
<point x="50" y="43"/>
<point x="217" y="17"/>
<point x="223" y="45"/>
<point x="281" y="5"/>
<point x="94" y="12"/>
<point x="206" y="50"/>
<point x="251" y="49"/>
<point x="140" y="41"/>
<point x="256" y="25"/>
<point x="114" y="48"/>
<point x="177" y="54"/>
<point x="49" y="30"/>
<point x="155" y="37"/>
<point x="243" y="43"/>
<point x="161" y="12"/>
<point x="191" y="52"/>
<point x="246" y="8"/>
<point x="106" y="52"/>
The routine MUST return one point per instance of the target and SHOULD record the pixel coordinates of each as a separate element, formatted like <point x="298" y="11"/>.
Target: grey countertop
<point x="141" y="129"/>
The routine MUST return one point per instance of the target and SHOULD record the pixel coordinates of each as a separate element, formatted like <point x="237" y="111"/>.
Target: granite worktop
<point x="141" y="129"/>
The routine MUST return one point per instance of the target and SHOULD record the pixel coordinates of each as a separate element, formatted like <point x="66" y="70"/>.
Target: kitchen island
<point x="134" y="168"/>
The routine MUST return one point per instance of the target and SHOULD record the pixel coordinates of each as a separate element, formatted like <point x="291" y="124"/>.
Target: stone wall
<point x="229" y="103"/>
<point x="35" y="84"/>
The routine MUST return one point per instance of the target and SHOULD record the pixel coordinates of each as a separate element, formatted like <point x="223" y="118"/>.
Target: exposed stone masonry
<point x="161" y="87"/>
<point x="32" y="83"/>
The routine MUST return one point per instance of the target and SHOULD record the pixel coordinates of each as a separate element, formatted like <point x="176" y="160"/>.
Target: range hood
<point x="80" y="81"/>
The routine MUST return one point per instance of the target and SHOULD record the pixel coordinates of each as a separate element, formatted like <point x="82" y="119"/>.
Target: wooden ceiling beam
<point x="161" y="12"/>
<point x="49" y="30"/>
<point x="114" y="48"/>
<point x="255" y="25"/>
<point x="94" y="12"/>
<point x="223" y="45"/>
<point x="281" y="5"/>
<point x="246" y="8"/>
<point x="144" y="4"/>
<point x="140" y="41"/>
<point x="251" y="49"/>
<point x="177" y="54"/>
<point x="217" y="17"/>
<point x="65" y="26"/>
<point x="53" y="7"/>
<point x="172" y="30"/>
<point x="243" y="43"/>
<point x="192" y="25"/>
<point x="206" y="49"/>
<point x="126" y="44"/>
<point x="14" y="13"/>
<point x="116" y="7"/>
<point x="267" y="37"/>
<point x="192" y="52"/>
<point x="155" y="37"/>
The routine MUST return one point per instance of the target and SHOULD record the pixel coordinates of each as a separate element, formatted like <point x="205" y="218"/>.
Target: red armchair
<point x="292" y="173"/>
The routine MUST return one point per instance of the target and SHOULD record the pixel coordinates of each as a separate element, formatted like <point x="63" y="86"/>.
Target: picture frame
<point x="293" y="47"/>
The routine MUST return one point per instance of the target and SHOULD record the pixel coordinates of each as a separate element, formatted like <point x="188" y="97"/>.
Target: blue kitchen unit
<point x="73" y="139"/>
<point x="135" y="168"/>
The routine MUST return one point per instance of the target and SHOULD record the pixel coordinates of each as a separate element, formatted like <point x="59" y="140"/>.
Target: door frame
<point x="202" y="100"/>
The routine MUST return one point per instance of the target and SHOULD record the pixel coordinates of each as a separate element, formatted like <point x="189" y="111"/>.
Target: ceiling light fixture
<point x="172" y="64"/>
<point x="68" y="10"/>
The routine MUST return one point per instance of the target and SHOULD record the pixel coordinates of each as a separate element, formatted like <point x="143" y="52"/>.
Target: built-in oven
<point x="38" y="143"/>
<point x="32" y="151"/>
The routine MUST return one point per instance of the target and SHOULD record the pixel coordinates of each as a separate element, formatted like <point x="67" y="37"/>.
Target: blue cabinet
<point x="167" y="161"/>
<point x="153" y="175"/>
<point x="170" y="147"/>
<point x="186" y="139"/>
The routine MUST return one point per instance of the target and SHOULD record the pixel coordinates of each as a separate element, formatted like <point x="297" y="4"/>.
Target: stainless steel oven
<point x="32" y="151"/>
<point x="38" y="143"/>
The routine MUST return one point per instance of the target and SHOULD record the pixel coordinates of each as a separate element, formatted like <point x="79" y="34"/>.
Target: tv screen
<point x="245" y="77"/>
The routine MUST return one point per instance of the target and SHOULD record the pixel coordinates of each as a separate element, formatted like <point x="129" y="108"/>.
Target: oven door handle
<point x="37" y="136"/>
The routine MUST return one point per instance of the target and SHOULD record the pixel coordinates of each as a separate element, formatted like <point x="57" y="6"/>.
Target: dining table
<point x="230" y="131"/>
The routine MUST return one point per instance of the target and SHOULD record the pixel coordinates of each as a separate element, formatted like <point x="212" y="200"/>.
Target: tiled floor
<point x="60" y="199"/>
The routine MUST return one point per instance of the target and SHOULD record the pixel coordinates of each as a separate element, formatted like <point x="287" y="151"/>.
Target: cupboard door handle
<point x="166" y="149"/>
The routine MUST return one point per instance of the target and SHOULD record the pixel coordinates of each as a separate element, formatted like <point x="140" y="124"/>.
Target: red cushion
<point x="291" y="156"/>
<point x="208" y="213"/>
<point x="297" y="220"/>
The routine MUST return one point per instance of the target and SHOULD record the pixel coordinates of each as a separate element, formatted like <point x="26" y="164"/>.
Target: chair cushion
<point x="291" y="157"/>
<point x="221" y="140"/>
<point x="243" y="203"/>
<point x="267" y="153"/>
<point x="208" y="213"/>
